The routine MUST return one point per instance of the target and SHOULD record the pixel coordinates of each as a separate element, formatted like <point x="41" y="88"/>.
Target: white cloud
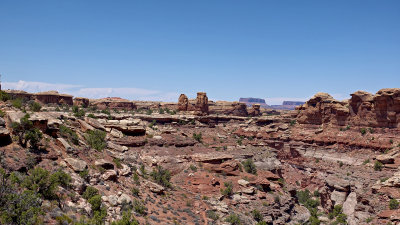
<point x="90" y="92"/>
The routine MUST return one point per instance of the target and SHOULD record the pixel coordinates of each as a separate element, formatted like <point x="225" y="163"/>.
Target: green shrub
<point x="35" y="107"/>
<point x="26" y="132"/>
<point x="161" y="111"/>
<point x="96" y="139"/>
<point x="161" y="176"/>
<point x="198" y="137"/>
<point x="151" y="125"/>
<point x="127" y="219"/>
<point x="69" y="134"/>
<point x="228" y="190"/>
<point x="117" y="163"/>
<point x="2" y="113"/>
<point x="95" y="202"/>
<point x="84" y="174"/>
<point x="363" y="131"/>
<point x="79" y="113"/>
<point x="44" y="183"/>
<point x="366" y="161"/>
<point x="257" y="216"/>
<point x="4" y="96"/>
<point x="212" y="215"/>
<point x="393" y="204"/>
<point x="262" y="223"/>
<point x="193" y="168"/>
<point x="249" y="166"/>
<point x="378" y="166"/>
<point x="90" y="192"/>
<point x="17" y="103"/>
<point x="135" y="192"/>
<point x="149" y="112"/>
<point x="91" y="115"/>
<point x="233" y="219"/>
<point x="136" y="178"/>
<point x="139" y="208"/>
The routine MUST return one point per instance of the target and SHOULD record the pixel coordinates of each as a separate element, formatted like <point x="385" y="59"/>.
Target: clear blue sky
<point x="229" y="49"/>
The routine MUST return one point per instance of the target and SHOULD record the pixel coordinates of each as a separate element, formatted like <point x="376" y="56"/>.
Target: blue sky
<point x="151" y="50"/>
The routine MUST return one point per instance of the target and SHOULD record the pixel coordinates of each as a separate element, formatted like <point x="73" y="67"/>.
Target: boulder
<point x="104" y="163"/>
<point x="82" y="102"/>
<point x="76" y="164"/>
<point x="155" y="188"/>
<point x="94" y="123"/>
<point x="110" y="175"/>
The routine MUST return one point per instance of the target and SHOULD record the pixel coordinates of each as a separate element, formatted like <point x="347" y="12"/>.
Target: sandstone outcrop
<point x="82" y="102"/>
<point x="202" y="103"/>
<point x="48" y="97"/>
<point x="183" y="103"/>
<point x="113" y="103"/>
<point x="362" y="109"/>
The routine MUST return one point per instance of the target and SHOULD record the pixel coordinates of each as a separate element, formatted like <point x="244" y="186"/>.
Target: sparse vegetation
<point x="228" y="190"/>
<point x="393" y="204"/>
<point x="363" y="131"/>
<point x="96" y="139"/>
<point x="198" y="137"/>
<point x="161" y="176"/>
<point x="17" y="103"/>
<point x="35" y="107"/>
<point x="69" y="134"/>
<point x="257" y="216"/>
<point x="4" y="96"/>
<point x="233" y="219"/>
<point x="378" y="166"/>
<point x="26" y="132"/>
<point x="249" y="166"/>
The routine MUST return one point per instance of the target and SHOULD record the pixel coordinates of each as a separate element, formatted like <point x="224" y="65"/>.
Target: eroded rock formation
<point x="362" y="109"/>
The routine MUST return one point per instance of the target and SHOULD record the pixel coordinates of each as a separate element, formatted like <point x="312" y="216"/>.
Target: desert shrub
<point x="363" y="131"/>
<point x="90" y="192"/>
<point x="161" y="111"/>
<point x="212" y="215"/>
<point x="117" y="163"/>
<point x="161" y="176"/>
<point x="151" y="125"/>
<point x="69" y="134"/>
<point x="135" y="192"/>
<point x="91" y="115"/>
<point x="26" y="132"/>
<point x="2" y="113"/>
<point x="257" y="216"/>
<point x="84" y="174"/>
<point x="378" y="166"/>
<point x="198" y="137"/>
<point x="292" y="122"/>
<point x="95" y="202"/>
<point x="4" y="96"/>
<point x="193" y="168"/>
<point x="366" y="161"/>
<point x="79" y="113"/>
<point x="149" y="112"/>
<point x="249" y="166"/>
<point x="17" y="103"/>
<point x="393" y="204"/>
<point x="228" y="190"/>
<point x="96" y="139"/>
<point x="35" y="107"/>
<point x="233" y="219"/>
<point x="45" y="184"/>
<point x="136" y="178"/>
<point x="127" y="219"/>
<point x="139" y="208"/>
<point x="262" y="223"/>
<point x="18" y="206"/>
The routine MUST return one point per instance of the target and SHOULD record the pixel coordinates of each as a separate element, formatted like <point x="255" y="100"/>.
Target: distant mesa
<point x="286" y="105"/>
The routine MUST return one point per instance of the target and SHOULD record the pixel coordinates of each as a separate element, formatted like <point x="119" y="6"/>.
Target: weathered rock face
<point x="202" y="103"/>
<point x="255" y="110"/>
<point x="113" y="103"/>
<point x="183" y="102"/>
<point x="49" y="97"/>
<point x="321" y="109"/>
<point x="83" y="102"/>
<point x="363" y="109"/>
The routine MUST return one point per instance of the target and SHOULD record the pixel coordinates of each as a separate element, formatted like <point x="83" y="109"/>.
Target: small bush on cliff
<point x="378" y="166"/>
<point x="79" y="113"/>
<point x="233" y="219"/>
<point x="257" y="216"/>
<point x="198" y="137"/>
<point x="26" y="133"/>
<point x="4" y="96"/>
<point x="127" y="219"/>
<point x="363" y="131"/>
<point x="161" y="176"/>
<point x="35" y="107"/>
<point x="90" y="192"/>
<point x="17" y="103"/>
<point x="249" y="166"/>
<point x="393" y="204"/>
<point x="69" y="134"/>
<point x="139" y="208"/>
<point x="96" y="139"/>
<point x="228" y="190"/>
